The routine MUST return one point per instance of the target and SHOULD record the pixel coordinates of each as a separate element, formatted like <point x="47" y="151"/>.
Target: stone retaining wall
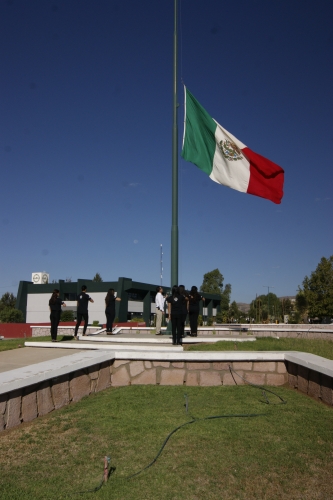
<point x="310" y="382"/>
<point x="198" y="373"/>
<point x="281" y="330"/>
<point x="26" y="404"/>
<point x="44" y="331"/>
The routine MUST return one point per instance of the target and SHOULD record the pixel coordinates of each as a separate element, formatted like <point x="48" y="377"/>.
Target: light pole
<point x="266" y="286"/>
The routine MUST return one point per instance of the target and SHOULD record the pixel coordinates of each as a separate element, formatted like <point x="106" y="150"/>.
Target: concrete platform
<point x="132" y="338"/>
<point x="38" y="352"/>
<point x="93" y="345"/>
<point x="42" y="360"/>
<point x="26" y="356"/>
<point x="34" y="361"/>
<point x="61" y="364"/>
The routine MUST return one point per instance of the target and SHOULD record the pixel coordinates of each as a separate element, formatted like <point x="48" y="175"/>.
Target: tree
<point x="7" y="300"/>
<point x="212" y="282"/>
<point x="11" y="315"/>
<point x="302" y="304"/>
<point x="225" y="298"/>
<point x="318" y="289"/>
<point x="264" y="307"/>
<point x="234" y="312"/>
<point x="97" y="278"/>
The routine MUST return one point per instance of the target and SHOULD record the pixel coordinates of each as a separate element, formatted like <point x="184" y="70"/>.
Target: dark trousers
<point x="176" y="321"/>
<point x="55" y="318"/>
<point x="81" y="316"/>
<point x="194" y="321"/>
<point x="109" y="320"/>
<point x="184" y="316"/>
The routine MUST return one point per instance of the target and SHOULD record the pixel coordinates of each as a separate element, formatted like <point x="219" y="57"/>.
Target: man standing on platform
<point x="159" y="303"/>
<point x="82" y="310"/>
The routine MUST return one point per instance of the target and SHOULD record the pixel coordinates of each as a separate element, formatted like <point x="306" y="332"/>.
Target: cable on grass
<point x="247" y="415"/>
<point x="194" y="420"/>
<point x="264" y="390"/>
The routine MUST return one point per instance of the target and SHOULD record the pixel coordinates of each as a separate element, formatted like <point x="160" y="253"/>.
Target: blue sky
<point x="86" y="127"/>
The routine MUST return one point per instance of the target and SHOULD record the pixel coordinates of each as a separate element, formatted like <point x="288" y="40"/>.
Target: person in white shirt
<point x="159" y="303"/>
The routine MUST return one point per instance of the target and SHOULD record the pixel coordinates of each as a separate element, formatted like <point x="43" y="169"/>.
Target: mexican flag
<point x="224" y="158"/>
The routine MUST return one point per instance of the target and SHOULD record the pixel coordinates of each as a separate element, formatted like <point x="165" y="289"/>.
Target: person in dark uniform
<point x="110" y="309"/>
<point x="55" y="304"/>
<point x="193" y="310"/>
<point x="175" y="309"/>
<point x="82" y="310"/>
<point x="183" y="292"/>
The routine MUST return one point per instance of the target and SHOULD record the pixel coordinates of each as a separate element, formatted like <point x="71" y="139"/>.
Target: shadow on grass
<point x="66" y="338"/>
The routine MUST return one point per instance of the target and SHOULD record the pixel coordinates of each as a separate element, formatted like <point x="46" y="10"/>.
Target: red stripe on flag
<point x="266" y="177"/>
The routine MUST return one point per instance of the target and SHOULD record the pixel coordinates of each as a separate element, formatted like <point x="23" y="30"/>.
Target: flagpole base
<point x="168" y="330"/>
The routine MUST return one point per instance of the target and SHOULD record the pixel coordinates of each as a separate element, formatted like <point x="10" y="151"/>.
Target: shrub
<point x="219" y="317"/>
<point x="210" y="321"/>
<point x="200" y="320"/>
<point x="11" y="315"/>
<point x="67" y="316"/>
<point x="95" y="323"/>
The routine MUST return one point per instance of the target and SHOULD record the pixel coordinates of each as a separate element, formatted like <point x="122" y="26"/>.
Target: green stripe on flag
<point x="199" y="141"/>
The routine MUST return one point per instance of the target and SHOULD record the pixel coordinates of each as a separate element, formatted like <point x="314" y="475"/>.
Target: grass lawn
<point x="7" y="344"/>
<point x="286" y="452"/>
<point x="319" y="347"/>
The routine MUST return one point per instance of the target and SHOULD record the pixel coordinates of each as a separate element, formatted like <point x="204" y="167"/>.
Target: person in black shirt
<point x="82" y="310"/>
<point x="55" y="304"/>
<point x="183" y="292"/>
<point x="193" y="310"/>
<point x="110" y="309"/>
<point x="175" y="309"/>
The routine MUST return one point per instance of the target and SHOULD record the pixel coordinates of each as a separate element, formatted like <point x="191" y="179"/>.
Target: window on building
<point x="70" y="296"/>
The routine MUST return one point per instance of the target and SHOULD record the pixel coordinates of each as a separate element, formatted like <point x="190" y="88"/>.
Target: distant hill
<point x="292" y="298"/>
<point x="243" y="307"/>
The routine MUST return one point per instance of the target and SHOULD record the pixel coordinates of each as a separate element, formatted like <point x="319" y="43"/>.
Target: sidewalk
<point x="26" y="356"/>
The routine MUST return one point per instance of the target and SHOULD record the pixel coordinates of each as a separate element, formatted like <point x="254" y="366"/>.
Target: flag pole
<point x="174" y="228"/>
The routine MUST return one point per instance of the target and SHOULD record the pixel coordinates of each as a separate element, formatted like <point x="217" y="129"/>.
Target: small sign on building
<point x="40" y="278"/>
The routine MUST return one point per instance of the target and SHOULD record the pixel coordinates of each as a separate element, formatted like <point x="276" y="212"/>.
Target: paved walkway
<point x="25" y="356"/>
